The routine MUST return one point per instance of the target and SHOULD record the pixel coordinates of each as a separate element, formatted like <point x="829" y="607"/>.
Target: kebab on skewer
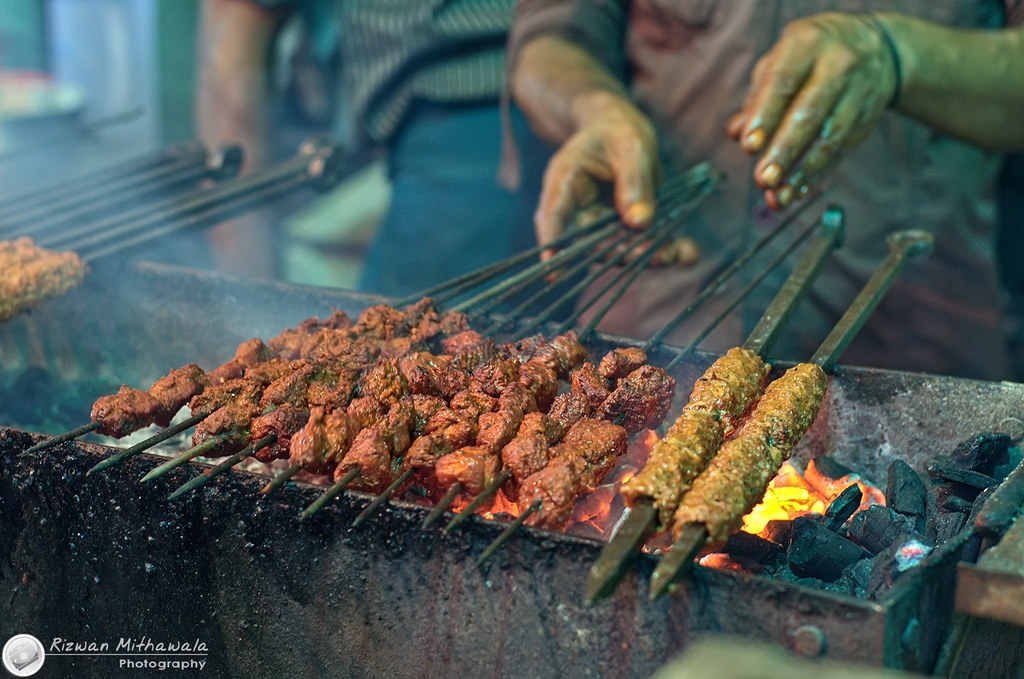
<point x="725" y="392"/>
<point x="30" y="274"/>
<point x="738" y="476"/>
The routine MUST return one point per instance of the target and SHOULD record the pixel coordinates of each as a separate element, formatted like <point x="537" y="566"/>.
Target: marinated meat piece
<point x="563" y="354"/>
<point x="366" y="410"/>
<point x="425" y="407"/>
<point x="590" y="383"/>
<point x="578" y="464"/>
<point x="454" y="322"/>
<point x="220" y="395"/>
<point x="738" y="476"/>
<point x="335" y="391"/>
<point x="529" y="451"/>
<point x="290" y="387"/>
<point x="371" y="455"/>
<point x="494" y="375"/>
<point x="384" y="382"/>
<point x="462" y="342"/>
<point x="30" y="274"/>
<point x="619" y="362"/>
<point x="285" y="421"/>
<point x="472" y="466"/>
<point x="725" y="391"/>
<point x="641" y="400"/>
<point x="398" y="425"/>
<point x="569" y="408"/>
<point x="268" y="371"/>
<point x="499" y="427"/>
<point x="379" y="322"/>
<point x="126" y="411"/>
<point x="322" y="441"/>
<point x="430" y="374"/>
<point x="528" y="347"/>
<point x="446" y="432"/>
<point x="228" y="426"/>
<point x="473" y="403"/>
<point x="468" y="361"/>
<point x="541" y="380"/>
<point x="175" y="389"/>
<point x="248" y="353"/>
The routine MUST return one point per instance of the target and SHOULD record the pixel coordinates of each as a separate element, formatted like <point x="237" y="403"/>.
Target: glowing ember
<point x="792" y="494"/>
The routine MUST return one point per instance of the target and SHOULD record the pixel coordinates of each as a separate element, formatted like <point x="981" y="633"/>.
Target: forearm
<point x="561" y="87"/>
<point x="969" y="84"/>
<point x="233" y="84"/>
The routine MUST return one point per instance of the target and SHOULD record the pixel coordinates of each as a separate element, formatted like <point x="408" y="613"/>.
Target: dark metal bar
<point x="139" y="447"/>
<point x="330" y="494"/>
<point x="507" y="533"/>
<point x="478" y="501"/>
<point x="222" y="466"/>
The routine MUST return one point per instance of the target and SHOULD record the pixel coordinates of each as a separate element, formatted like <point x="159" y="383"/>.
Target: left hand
<point x="815" y="95"/>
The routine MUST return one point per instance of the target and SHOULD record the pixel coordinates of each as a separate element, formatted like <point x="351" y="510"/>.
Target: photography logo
<point x="23" y="655"/>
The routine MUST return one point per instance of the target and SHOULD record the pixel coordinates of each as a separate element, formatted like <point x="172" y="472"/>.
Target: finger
<point x="635" y="169"/>
<point x="799" y="127"/>
<point x="681" y="251"/>
<point x="564" y="191"/>
<point x="778" y="79"/>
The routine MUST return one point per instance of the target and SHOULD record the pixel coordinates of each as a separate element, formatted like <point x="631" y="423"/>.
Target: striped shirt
<point x="394" y="52"/>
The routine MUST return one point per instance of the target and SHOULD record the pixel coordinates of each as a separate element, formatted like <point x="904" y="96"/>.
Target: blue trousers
<point x="448" y="215"/>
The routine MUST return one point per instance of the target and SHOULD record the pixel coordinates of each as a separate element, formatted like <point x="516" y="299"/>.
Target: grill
<point x="103" y="558"/>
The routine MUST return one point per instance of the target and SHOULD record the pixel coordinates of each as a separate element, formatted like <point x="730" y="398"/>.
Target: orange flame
<point x="791" y="494"/>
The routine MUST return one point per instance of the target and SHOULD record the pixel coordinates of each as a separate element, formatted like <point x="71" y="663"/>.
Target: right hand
<point x="615" y="149"/>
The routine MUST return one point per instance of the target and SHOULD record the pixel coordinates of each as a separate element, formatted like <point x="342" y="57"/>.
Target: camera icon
<point x="23" y="655"/>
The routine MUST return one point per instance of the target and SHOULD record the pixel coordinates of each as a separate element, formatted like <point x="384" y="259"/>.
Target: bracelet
<point x="897" y="68"/>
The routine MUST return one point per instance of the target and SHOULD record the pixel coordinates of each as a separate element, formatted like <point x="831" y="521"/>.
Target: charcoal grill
<point x="104" y="558"/>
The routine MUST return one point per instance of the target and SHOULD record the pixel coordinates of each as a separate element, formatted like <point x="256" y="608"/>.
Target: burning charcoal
<point x="904" y="554"/>
<point x="842" y="508"/>
<point x="962" y="476"/>
<point x="905" y="493"/>
<point x="755" y="547"/>
<point x="779" y="531"/>
<point x="947" y="525"/>
<point x="828" y="466"/>
<point x="952" y="502"/>
<point x="857" y="577"/>
<point x="877" y="527"/>
<point x="999" y="513"/>
<point x="820" y="553"/>
<point x="982" y="453"/>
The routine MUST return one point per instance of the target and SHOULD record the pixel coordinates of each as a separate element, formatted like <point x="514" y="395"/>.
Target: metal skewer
<point x="281" y="479"/>
<point x="507" y="533"/>
<point x="902" y="246"/>
<point x="640" y="522"/>
<point x="330" y="494"/>
<point x="139" y="447"/>
<point x="442" y="506"/>
<point x="479" y="500"/>
<point x="182" y="458"/>
<point x="222" y="466"/>
<point x="61" y="438"/>
<point x="383" y="497"/>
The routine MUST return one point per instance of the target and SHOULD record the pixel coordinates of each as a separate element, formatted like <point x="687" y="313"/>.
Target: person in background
<point x="900" y="108"/>
<point x="420" y="81"/>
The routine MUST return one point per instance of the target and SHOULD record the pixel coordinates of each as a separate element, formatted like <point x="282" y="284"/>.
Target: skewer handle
<point x="621" y="550"/>
<point x="678" y="560"/>
<point x="781" y="308"/>
<point x="902" y="246"/>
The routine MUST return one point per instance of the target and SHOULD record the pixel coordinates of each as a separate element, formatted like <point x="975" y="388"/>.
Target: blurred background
<point x="88" y="84"/>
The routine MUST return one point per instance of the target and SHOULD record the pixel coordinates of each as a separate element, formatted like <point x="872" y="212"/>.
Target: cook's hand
<point x="818" y="93"/>
<point x="615" y="150"/>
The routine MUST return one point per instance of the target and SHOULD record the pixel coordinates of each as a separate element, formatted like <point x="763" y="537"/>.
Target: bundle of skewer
<point x="420" y="397"/>
<point x="49" y="237"/>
